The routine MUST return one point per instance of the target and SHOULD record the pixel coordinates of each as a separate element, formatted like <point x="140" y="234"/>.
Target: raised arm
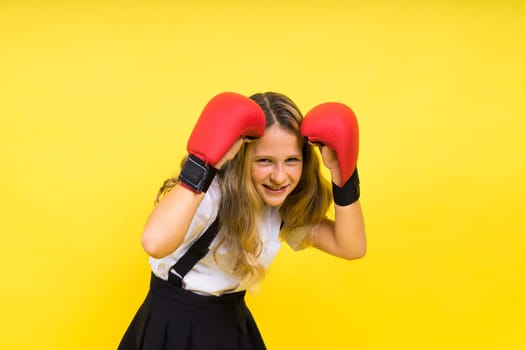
<point x="333" y="126"/>
<point x="222" y="127"/>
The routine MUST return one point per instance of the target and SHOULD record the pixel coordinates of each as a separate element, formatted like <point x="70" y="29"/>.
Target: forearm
<point x="169" y="221"/>
<point x="345" y="237"/>
<point x="349" y="231"/>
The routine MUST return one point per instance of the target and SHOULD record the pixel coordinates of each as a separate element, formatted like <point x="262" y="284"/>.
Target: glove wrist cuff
<point x="349" y="192"/>
<point x="196" y="174"/>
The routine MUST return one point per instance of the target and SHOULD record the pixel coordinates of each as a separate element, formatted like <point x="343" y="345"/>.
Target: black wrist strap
<point x="197" y="174"/>
<point x="350" y="191"/>
<point x="197" y="251"/>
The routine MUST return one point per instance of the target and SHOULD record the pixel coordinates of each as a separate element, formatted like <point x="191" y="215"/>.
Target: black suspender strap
<point x="197" y="251"/>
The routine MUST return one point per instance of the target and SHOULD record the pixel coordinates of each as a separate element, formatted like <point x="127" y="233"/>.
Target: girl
<point x="250" y="181"/>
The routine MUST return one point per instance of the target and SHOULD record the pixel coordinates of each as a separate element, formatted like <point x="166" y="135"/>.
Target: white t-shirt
<point x="207" y="277"/>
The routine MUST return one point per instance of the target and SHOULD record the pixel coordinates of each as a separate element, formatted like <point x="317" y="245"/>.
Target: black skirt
<point x="173" y="318"/>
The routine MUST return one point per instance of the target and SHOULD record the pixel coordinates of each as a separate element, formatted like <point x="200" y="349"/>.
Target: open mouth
<point x="275" y="190"/>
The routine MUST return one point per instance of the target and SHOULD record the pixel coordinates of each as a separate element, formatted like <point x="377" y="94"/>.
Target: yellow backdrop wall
<point x="98" y="98"/>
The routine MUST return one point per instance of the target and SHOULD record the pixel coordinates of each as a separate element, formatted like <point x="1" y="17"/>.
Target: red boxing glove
<point x="225" y="118"/>
<point x="335" y="125"/>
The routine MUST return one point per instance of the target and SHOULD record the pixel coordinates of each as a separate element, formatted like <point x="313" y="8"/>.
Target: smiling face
<point x="277" y="164"/>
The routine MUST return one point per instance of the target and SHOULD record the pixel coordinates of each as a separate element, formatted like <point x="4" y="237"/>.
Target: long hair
<point x="241" y="206"/>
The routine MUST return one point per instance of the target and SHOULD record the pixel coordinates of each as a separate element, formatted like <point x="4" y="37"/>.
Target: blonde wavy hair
<point x="241" y="206"/>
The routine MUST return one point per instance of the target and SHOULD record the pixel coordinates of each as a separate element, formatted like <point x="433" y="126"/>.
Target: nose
<point x="278" y="174"/>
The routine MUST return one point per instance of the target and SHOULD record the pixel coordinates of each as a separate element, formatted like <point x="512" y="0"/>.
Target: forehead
<point x="278" y="141"/>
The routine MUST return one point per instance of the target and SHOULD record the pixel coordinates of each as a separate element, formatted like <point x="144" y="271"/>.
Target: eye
<point x="263" y="160"/>
<point x="293" y="160"/>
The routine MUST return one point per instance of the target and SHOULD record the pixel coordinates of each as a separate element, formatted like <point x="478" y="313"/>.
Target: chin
<point x="273" y="202"/>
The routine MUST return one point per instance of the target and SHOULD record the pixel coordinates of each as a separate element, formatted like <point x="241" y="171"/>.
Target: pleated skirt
<point x="176" y="319"/>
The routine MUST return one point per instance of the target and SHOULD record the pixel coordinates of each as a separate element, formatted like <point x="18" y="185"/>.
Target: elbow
<point x="355" y="253"/>
<point x="152" y="247"/>
<point x="361" y="253"/>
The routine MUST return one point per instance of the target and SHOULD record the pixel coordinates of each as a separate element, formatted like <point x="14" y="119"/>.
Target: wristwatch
<point x="197" y="174"/>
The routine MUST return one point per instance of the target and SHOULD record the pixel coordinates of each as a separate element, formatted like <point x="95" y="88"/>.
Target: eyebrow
<point x="298" y="155"/>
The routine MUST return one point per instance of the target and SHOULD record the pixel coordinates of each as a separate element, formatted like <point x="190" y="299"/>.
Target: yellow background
<point x="97" y="100"/>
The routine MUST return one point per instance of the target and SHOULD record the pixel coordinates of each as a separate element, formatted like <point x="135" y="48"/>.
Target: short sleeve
<point x="297" y="238"/>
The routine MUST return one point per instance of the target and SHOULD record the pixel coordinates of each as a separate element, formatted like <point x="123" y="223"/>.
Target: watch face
<point x="193" y="173"/>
